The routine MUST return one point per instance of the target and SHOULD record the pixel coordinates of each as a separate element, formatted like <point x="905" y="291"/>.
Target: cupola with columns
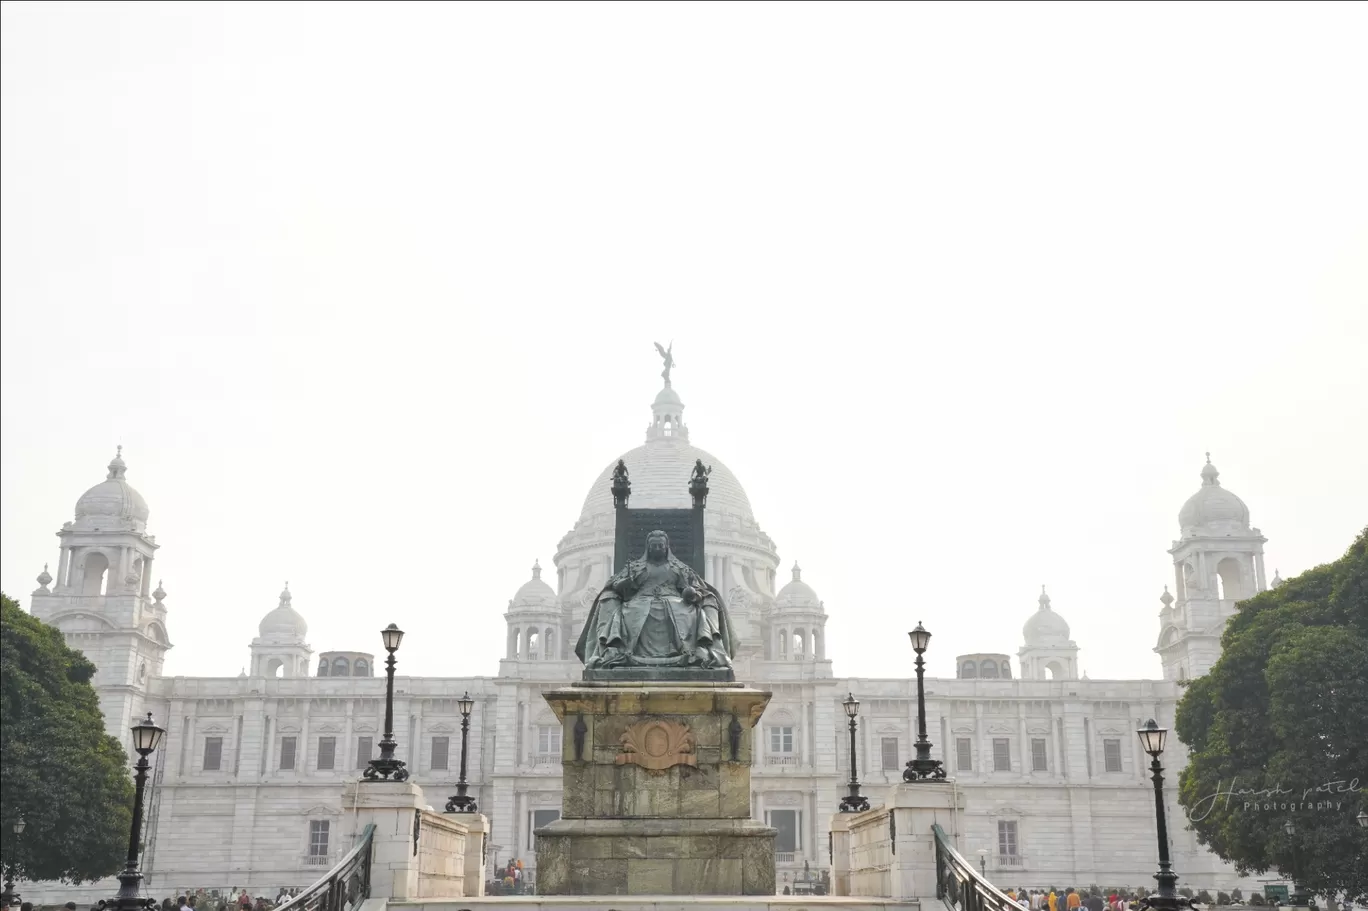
<point x="280" y="649"/>
<point x="536" y="622"/>
<point x="796" y="625"/>
<point x="101" y="597"/>
<point x="1047" y="652"/>
<point x="1217" y="562"/>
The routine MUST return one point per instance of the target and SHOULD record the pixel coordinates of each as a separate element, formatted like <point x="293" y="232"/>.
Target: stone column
<point x="63" y="564"/>
<point x="348" y="744"/>
<point x="146" y="576"/>
<point x="1025" y="750"/>
<point x="840" y="854"/>
<point x="390" y="807"/>
<point x="476" y="869"/>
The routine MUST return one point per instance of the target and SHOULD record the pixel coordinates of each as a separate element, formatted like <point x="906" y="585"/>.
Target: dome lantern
<point x="1213" y="507"/>
<point x="113" y="499"/>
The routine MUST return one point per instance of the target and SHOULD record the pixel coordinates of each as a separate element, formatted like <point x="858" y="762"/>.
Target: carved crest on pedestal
<point x="658" y="745"/>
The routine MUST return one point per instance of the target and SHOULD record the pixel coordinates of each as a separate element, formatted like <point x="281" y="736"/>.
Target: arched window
<point x="988" y="669"/>
<point x="514" y="642"/>
<point x="96" y="568"/>
<point x="1229" y="580"/>
<point x="1053" y="671"/>
<point x="817" y="650"/>
<point x="798" y="649"/>
<point x="783" y="643"/>
<point x="341" y="667"/>
<point x="275" y="668"/>
<point x="1006" y="670"/>
<point x="549" y="645"/>
<point x="968" y="670"/>
<point x="322" y="667"/>
<point x="533" y="644"/>
<point x="361" y="668"/>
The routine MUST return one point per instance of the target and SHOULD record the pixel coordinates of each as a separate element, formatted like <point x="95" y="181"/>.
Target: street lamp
<point x="463" y="802"/>
<point x="1362" y="819"/>
<point x="1152" y="738"/>
<point x="387" y="767"/>
<point x="853" y="802"/>
<point x="983" y="862"/>
<point x="923" y="767"/>
<point x="11" y="897"/>
<point x="146" y="737"/>
<point x="1297" y="899"/>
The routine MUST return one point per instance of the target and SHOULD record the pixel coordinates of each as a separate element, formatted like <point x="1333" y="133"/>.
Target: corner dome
<point x="284" y="622"/>
<point x="113" y="498"/>
<point x="534" y="593"/>
<point x="1045" y="627"/>
<point x="797" y="593"/>
<point x="1212" y="506"/>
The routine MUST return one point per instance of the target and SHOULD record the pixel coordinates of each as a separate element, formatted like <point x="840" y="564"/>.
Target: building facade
<point x="247" y="788"/>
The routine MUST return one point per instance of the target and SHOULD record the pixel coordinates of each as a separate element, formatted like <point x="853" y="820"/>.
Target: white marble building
<point x="248" y="785"/>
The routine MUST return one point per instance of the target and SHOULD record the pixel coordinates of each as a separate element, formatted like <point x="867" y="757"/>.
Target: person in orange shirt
<point x="1074" y="901"/>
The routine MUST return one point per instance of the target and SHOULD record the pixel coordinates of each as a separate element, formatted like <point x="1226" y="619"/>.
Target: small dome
<point x="284" y="622"/>
<point x="797" y="593"/>
<point x="1045" y="626"/>
<point x="1212" y="505"/>
<point x="113" y="498"/>
<point x="534" y="593"/>
<point x="667" y="397"/>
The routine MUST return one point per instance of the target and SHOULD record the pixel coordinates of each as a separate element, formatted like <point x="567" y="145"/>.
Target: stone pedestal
<point x="390" y="806"/>
<point x="477" y="848"/>
<point x="891" y="850"/>
<point x="657" y="793"/>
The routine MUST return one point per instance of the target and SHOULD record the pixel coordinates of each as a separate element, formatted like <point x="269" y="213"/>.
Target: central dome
<point x="660" y="472"/>
<point x="113" y="498"/>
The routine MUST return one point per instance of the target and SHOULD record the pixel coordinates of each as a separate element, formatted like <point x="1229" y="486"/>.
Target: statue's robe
<point x="641" y="618"/>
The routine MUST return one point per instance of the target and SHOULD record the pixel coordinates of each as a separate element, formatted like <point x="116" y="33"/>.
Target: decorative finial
<point x="1208" y="455"/>
<point x="1166" y="598"/>
<point x="1044" y="600"/>
<point x="43" y="579"/>
<point x="1210" y="474"/>
<point x="797" y="572"/>
<point x="536" y="569"/>
<point x="668" y="355"/>
<point x="116" y="465"/>
<point x="285" y="595"/>
<point x="160" y="593"/>
<point x="1277" y="579"/>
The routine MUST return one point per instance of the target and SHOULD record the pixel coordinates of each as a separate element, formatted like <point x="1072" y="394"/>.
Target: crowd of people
<point x="1073" y="900"/>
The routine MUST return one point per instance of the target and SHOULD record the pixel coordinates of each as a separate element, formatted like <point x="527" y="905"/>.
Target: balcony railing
<point x="781" y="759"/>
<point x="316" y="860"/>
<point x="785" y="857"/>
<point x="1011" y="860"/>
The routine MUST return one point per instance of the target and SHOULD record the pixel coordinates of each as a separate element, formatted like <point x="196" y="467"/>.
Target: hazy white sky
<point x="960" y="293"/>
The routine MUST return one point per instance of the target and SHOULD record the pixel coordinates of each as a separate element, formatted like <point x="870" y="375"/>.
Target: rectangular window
<point x="363" y="752"/>
<point x="213" y="753"/>
<point x="1039" y="763"/>
<point x="440" y="747"/>
<point x="327" y="747"/>
<point x="781" y="739"/>
<point x="1007" y="842"/>
<point x="1111" y="755"/>
<point x="1002" y="754"/>
<point x="287" y="753"/>
<point x="318" y="838"/>
<point x="535" y="820"/>
<point x="964" y="755"/>
<point x="789" y="824"/>
<point x="548" y="740"/>
<point x="889" y="747"/>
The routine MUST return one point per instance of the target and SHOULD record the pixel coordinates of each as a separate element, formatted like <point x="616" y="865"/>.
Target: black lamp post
<point x="1362" y="819"/>
<point x="11" y="897"/>
<point x="1152" y="738"/>
<point x="853" y="802"/>
<point x="983" y="862"/>
<point x="463" y="802"/>
<point x="1298" y="898"/>
<point x="923" y="767"/>
<point x="146" y="737"/>
<point x="388" y="768"/>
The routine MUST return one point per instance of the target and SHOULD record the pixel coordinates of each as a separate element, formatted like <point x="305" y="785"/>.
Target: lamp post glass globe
<point x="1289" y="828"/>
<point x="147" y="735"/>
<point x="1152" y="738"/>
<point x="852" y="706"/>
<point x="465" y="704"/>
<point x="1362" y="819"/>
<point x="920" y="637"/>
<point x="19" y="825"/>
<point x="392" y="636"/>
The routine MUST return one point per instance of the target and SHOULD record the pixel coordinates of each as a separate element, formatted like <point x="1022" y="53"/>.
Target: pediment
<point x="213" y="729"/>
<point x="442" y="729"/>
<point x="962" y="729"/>
<point x="999" y="729"/>
<point x="287" y="729"/>
<point x="783" y="800"/>
<point x="889" y="729"/>
<point x="1006" y="811"/>
<point x="329" y="729"/>
<point x="1038" y="729"/>
<point x="321" y="810"/>
<point x="364" y="728"/>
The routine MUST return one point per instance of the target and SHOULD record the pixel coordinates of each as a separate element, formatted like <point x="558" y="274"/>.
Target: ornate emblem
<point x="658" y="745"/>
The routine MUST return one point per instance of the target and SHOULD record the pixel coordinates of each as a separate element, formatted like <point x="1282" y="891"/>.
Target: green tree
<point x="1276" y="732"/>
<point x="58" y="768"/>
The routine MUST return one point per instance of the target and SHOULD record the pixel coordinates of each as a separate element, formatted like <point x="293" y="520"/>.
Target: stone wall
<point x="871" y="853"/>
<point x="441" y="856"/>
